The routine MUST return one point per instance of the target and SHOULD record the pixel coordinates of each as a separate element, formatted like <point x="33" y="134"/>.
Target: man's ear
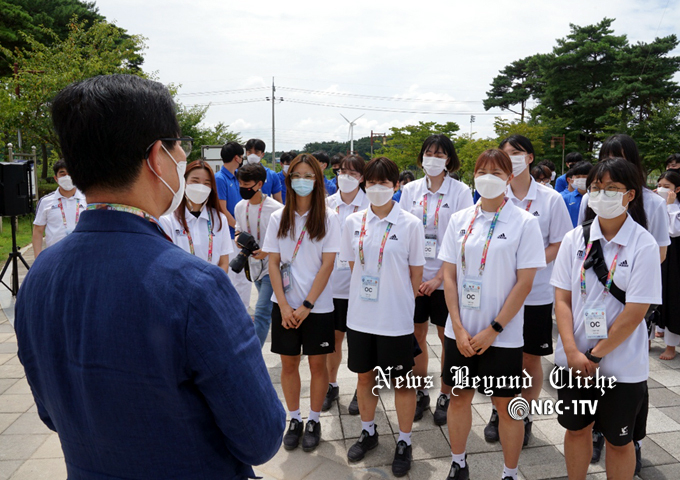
<point x="155" y="158"/>
<point x="259" y="185"/>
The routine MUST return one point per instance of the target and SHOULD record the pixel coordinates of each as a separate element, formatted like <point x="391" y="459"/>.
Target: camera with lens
<point x="248" y="246"/>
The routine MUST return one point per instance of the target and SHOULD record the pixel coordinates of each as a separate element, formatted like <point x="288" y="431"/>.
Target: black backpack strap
<point x="595" y="260"/>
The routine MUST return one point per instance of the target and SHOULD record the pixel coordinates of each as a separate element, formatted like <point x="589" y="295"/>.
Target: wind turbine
<point x="351" y="131"/>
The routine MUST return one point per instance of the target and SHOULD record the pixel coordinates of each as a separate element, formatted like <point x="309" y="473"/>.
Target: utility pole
<point x="472" y="120"/>
<point x="563" y="140"/>
<point x="273" y="99"/>
<point x="376" y="135"/>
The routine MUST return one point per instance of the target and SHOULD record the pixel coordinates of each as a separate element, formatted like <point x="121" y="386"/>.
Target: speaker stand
<point x="13" y="258"/>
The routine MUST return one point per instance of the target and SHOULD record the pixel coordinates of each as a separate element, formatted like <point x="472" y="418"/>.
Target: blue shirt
<point x="330" y="186"/>
<point x="561" y="183"/>
<point x="397" y="195"/>
<point x="228" y="189"/>
<point x="143" y="358"/>
<point x="573" y="201"/>
<point x="282" y="181"/>
<point x="272" y="185"/>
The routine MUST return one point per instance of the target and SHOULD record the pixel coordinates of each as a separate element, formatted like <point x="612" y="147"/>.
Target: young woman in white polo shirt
<point x="433" y="199"/>
<point x="302" y="241"/>
<point x="490" y="261"/>
<point x="548" y="207"/>
<point x="668" y="188"/>
<point x="198" y="225"/>
<point x="597" y="330"/>
<point x="384" y="247"/>
<point x="350" y="198"/>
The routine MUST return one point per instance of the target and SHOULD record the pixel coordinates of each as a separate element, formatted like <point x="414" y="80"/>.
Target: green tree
<point x="658" y="135"/>
<point x="515" y="85"/>
<point x="468" y="150"/>
<point x="404" y="143"/>
<point x="191" y="123"/>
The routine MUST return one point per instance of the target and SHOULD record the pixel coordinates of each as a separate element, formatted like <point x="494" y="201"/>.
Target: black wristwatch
<point x="496" y="326"/>
<point x="589" y="355"/>
<point x="307" y="304"/>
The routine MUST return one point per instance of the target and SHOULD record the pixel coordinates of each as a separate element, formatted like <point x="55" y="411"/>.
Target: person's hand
<point x="426" y="288"/>
<point x="483" y="340"/>
<point x="287" y="317"/>
<point x="300" y="314"/>
<point x="578" y="361"/>
<point x="463" y="342"/>
<point x="671" y="197"/>
<point x="259" y="255"/>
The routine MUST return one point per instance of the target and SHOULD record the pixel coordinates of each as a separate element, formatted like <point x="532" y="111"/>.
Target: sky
<point x="420" y="62"/>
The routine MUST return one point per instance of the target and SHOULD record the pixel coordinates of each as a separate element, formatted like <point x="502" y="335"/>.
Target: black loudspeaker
<point x="16" y="189"/>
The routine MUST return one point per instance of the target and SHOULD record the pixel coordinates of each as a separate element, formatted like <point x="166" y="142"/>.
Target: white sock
<point x="493" y="408"/>
<point x="509" y="472"/>
<point x="296" y="415"/>
<point x="459" y="459"/>
<point x="369" y="427"/>
<point x="334" y="384"/>
<point x="314" y="416"/>
<point x="405" y="437"/>
<point x="424" y="392"/>
<point x="447" y="395"/>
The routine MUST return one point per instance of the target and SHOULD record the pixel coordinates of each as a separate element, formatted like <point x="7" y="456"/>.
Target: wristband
<point x="589" y="355"/>
<point x="307" y="304"/>
<point x="496" y="326"/>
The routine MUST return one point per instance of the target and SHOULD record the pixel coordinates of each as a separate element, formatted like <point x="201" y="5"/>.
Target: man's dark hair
<point x="337" y="159"/>
<point x="673" y="157"/>
<point x="58" y="165"/>
<point x="581" y="168"/>
<point x="548" y="164"/>
<point x="230" y="150"/>
<point x="287" y="157"/>
<point x="255" y="144"/>
<point x="381" y="169"/>
<point x="252" y="172"/>
<point x="322" y="157"/>
<point x="406" y="176"/>
<point x="106" y="124"/>
<point x="573" y="157"/>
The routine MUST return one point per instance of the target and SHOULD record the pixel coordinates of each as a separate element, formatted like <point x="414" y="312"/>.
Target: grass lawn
<point x="24" y="233"/>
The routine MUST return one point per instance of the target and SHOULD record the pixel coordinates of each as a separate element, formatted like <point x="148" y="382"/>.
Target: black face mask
<point x="247" y="193"/>
<point x="336" y="171"/>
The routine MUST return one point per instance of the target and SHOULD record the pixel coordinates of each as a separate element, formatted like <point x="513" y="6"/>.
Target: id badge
<point x="285" y="277"/>
<point x="430" y="246"/>
<point x="595" y="320"/>
<point x="341" y="264"/>
<point x="369" y="288"/>
<point x="472" y="293"/>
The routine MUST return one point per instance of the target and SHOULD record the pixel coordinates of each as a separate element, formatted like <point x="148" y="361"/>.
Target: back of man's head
<point x="230" y="150"/>
<point x="105" y="125"/>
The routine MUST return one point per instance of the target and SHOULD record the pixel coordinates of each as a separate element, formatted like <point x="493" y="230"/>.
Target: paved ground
<point x="28" y="450"/>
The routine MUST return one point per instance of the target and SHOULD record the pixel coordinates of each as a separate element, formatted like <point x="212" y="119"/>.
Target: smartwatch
<point x="589" y="355"/>
<point x="496" y="326"/>
<point x="307" y="304"/>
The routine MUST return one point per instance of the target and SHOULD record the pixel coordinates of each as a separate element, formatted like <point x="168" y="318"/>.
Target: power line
<point x="221" y="92"/>
<point x="228" y="102"/>
<point x="376" y="97"/>
<point x="390" y="110"/>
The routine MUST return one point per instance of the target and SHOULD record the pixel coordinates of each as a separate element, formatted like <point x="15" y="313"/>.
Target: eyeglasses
<point x="307" y="176"/>
<point x="185" y="143"/>
<point x="609" y="191"/>
<point x="351" y="173"/>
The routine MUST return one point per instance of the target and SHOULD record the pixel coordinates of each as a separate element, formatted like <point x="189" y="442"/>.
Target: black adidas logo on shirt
<point x="357" y="233"/>
<point x="462" y="232"/>
<point x="446" y="205"/>
<point x="394" y="237"/>
<point x="536" y="214"/>
<point x="580" y="254"/>
<point x="623" y="264"/>
<point x="502" y="236"/>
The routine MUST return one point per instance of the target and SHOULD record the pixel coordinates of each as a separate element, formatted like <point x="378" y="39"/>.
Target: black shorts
<point x="316" y="335"/>
<point x="367" y="351"/>
<point x="432" y="308"/>
<point x="340" y="313"/>
<point x="620" y="414"/>
<point x="538" y="326"/>
<point x="495" y="362"/>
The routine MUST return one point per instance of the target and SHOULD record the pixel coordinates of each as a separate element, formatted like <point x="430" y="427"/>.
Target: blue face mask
<point x="302" y="186"/>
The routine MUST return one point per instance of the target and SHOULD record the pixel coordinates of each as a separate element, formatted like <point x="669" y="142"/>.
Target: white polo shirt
<point x="308" y="261"/>
<point x="198" y="228"/>
<point x="516" y="244"/>
<point x="269" y="206"/>
<point x="674" y="218"/>
<point x="655" y="210"/>
<point x="456" y="196"/>
<point x="341" y="273"/>
<point x="638" y="273"/>
<point x="549" y="208"/>
<point x="392" y="314"/>
<point x="48" y="214"/>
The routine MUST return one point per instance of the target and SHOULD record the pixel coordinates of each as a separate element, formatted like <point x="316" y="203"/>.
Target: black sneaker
<point x="527" y="431"/>
<point x="354" y="405"/>
<point x="312" y="436"/>
<point x="422" y="404"/>
<point x="638" y="457"/>
<point x="365" y="443"/>
<point x="441" y="409"/>
<point x="402" y="459"/>
<point x="331" y="395"/>
<point x="598" y="443"/>
<point x="491" y="429"/>
<point x="292" y="437"/>
<point x="459" y="473"/>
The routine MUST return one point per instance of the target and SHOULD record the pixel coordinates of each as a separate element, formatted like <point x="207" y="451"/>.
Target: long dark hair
<point x="672" y="176"/>
<point x="521" y="143"/>
<point x="213" y="201"/>
<point x="623" y="146"/>
<point x="316" y="219"/>
<point x="442" y="141"/>
<point x="622" y="171"/>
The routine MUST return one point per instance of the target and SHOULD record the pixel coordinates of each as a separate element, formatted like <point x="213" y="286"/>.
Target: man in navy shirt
<point x="286" y="158"/>
<point x="254" y="154"/>
<point x="570" y="160"/>
<point x="139" y="355"/>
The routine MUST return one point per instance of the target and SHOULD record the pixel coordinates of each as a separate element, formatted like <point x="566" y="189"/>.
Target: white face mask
<point x="490" y="186"/>
<point x="177" y="195"/>
<point x="252" y="158"/>
<point x="552" y="176"/>
<point x="197" y="193"/>
<point x="66" y="183"/>
<point x="663" y="192"/>
<point x="579" y="184"/>
<point x="285" y="168"/>
<point x="347" y="183"/>
<point x="519" y="164"/>
<point x="433" y="166"/>
<point x="607" y="207"/>
<point x="379" y="195"/>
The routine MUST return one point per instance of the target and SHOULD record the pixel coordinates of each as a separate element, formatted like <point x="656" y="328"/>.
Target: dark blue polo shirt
<point x="228" y="189"/>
